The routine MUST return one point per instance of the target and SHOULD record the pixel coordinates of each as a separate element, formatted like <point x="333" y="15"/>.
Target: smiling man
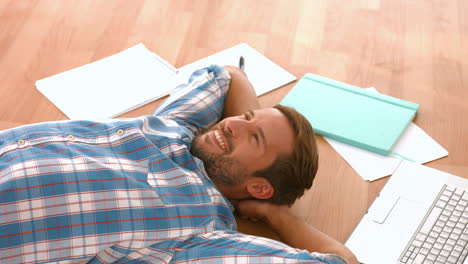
<point x="156" y="189"/>
<point x="238" y="147"/>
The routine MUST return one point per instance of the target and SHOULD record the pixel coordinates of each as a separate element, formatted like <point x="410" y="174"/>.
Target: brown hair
<point x="292" y="174"/>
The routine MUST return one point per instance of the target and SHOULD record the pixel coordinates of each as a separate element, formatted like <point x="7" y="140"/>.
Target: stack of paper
<point x="136" y="76"/>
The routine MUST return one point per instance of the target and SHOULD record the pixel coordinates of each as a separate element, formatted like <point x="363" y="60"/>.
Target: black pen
<point x="241" y="63"/>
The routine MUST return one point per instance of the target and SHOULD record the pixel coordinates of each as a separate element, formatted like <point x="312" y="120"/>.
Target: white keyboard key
<point x="444" y="219"/>
<point x="419" y="259"/>
<point x="437" y="229"/>
<point x="453" y="219"/>
<point x="456" y="253"/>
<point x="444" y="198"/>
<point x="445" y="234"/>
<point x="417" y="243"/>
<point x="431" y="257"/>
<point x="427" y="245"/>
<point x="451" y="260"/>
<point x="441" y="259"/>
<point x="451" y="242"/>
<point x="431" y="240"/>
<point x="448" y="210"/>
<point x="421" y="237"/>
<point x="441" y="204"/>
<point x="436" y="249"/>
<point x="464" y="237"/>
<point x="445" y="252"/>
<point x="457" y="231"/>
<point x="447" y="248"/>
<point x="430" y="220"/>
<point x="424" y="251"/>
<point x="465" y="196"/>
<point x="449" y="228"/>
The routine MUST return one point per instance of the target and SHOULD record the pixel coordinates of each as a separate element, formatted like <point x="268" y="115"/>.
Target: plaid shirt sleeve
<point x="226" y="246"/>
<point x="233" y="247"/>
<point x="199" y="103"/>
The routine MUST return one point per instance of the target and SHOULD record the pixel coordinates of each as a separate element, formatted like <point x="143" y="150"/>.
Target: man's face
<point x="237" y="147"/>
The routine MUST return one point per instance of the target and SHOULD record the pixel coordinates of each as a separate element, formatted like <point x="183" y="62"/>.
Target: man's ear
<point x="260" y="188"/>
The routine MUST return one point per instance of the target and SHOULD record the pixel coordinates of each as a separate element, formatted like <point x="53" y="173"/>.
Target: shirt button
<point x="120" y="132"/>
<point x="21" y="142"/>
<point x="71" y="137"/>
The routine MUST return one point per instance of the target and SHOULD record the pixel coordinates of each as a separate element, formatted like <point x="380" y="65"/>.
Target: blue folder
<point x="350" y="114"/>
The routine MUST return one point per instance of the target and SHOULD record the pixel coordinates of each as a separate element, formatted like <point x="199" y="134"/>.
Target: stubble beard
<point x="221" y="169"/>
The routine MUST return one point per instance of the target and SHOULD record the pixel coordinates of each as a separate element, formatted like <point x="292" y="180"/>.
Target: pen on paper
<point x="241" y="63"/>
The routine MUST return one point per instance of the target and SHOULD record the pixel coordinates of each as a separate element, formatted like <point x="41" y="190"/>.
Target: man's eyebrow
<point x="262" y="134"/>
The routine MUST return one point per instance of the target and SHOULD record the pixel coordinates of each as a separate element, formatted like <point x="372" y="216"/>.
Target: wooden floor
<point x="412" y="49"/>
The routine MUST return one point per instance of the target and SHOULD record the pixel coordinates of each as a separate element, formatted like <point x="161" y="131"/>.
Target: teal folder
<point x="350" y="114"/>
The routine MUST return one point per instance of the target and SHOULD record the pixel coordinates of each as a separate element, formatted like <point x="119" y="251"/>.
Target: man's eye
<point x="247" y="117"/>
<point x="256" y="139"/>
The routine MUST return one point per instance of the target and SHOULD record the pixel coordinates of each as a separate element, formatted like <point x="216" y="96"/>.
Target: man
<point x="131" y="191"/>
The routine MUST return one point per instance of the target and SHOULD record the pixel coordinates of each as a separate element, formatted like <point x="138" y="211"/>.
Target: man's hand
<point x="292" y="230"/>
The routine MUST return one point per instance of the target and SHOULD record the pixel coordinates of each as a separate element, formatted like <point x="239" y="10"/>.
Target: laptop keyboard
<point x="443" y="236"/>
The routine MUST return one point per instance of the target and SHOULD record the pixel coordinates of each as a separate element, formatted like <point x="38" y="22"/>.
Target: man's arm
<point x="294" y="231"/>
<point x="241" y="95"/>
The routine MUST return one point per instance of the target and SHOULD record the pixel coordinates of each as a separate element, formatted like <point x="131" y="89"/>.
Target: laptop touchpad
<point x="382" y="207"/>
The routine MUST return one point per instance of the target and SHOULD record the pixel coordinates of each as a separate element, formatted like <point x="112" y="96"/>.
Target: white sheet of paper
<point x="136" y="76"/>
<point x="111" y="86"/>
<point x="264" y="74"/>
<point x="414" y="145"/>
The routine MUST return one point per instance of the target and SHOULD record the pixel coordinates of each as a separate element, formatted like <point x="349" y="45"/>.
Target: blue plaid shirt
<point x="125" y="190"/>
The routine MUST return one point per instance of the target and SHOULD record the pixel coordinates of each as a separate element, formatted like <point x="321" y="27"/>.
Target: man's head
<point x="267" y="154"/>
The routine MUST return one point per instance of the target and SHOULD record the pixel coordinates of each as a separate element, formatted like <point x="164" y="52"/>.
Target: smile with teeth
<point x="220" y="139"/>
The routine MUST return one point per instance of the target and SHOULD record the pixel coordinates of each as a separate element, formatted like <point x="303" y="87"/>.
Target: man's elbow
<point x="349" y="257"/>
<point x="344" y="253"/>
<point x="235" y="71"/>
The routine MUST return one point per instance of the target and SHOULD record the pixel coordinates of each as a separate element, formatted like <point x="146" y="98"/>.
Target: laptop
<point x="420" y="216"/>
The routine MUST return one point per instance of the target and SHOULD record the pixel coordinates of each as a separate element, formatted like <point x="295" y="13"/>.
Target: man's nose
<point x="237" y="127"/>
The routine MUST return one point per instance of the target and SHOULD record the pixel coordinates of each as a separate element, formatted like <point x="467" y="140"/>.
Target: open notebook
<point x="136" y="76"/>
